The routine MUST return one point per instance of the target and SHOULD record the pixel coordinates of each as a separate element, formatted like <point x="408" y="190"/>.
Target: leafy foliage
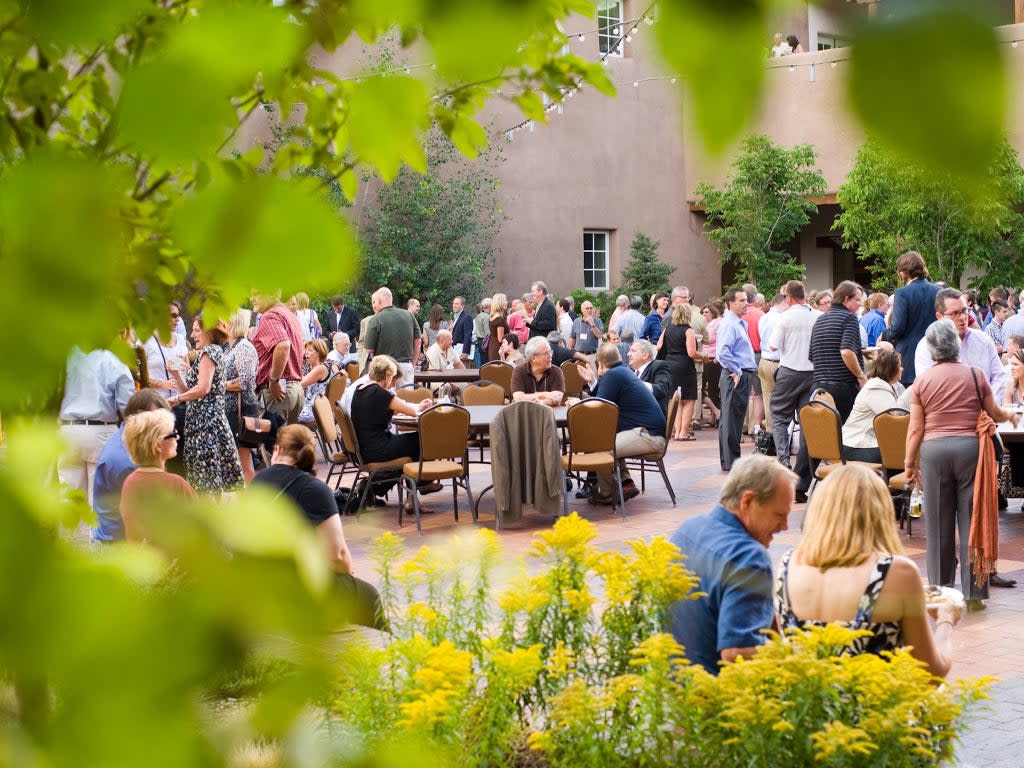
<point x="431" y="235"/>
<point x="761" y="207"/>
<point x="644" y="275"/>
<point x="890" y="206"/>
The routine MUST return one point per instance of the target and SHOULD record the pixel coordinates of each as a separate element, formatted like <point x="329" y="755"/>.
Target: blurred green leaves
<point x="386" y="120"/>
<point x="930" y="82"/>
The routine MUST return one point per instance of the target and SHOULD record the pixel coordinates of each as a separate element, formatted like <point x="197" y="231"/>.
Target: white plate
<point x="945" y="595"/>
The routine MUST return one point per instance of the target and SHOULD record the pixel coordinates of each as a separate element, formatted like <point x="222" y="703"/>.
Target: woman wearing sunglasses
<point x="150" y="440"/>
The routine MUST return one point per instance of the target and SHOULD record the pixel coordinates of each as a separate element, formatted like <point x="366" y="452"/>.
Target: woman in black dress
<point x="678" y="344"/>
<point x="373" y="405"/>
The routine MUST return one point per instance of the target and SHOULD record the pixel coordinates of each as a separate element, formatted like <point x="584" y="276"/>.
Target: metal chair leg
<point x="668" y="485"/>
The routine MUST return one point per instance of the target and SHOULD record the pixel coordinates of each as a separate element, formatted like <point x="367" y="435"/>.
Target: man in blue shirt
<point x="736" y="356"/>
<point x="641" y="426"/>
<point x="727" y="550"/>
<point x="113" y="467"/>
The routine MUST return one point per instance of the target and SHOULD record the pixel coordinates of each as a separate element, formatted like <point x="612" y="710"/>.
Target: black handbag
<point x="764" y="443"/>
<point x="251" y="429"/>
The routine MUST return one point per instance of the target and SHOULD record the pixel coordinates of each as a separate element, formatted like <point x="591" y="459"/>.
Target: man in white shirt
<point x="791" y="339"/>
<point x="441" y="356"/>
<point x="163" y="359"/>
<point x="769" y="363"/>
<point x="342" y="355"/>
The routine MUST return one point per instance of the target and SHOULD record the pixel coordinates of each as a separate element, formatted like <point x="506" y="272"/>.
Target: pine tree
<point x="645" y="274"/>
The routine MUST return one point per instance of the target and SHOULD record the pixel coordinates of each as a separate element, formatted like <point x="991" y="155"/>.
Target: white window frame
<point x="593" y="272"/>
<point x="606" y="22"/>
<point x="830" y="41"/>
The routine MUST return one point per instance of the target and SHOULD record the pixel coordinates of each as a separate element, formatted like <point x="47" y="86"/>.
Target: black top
<point x="834" y="331"/>
<point x="544" y="320"/>
<point x="560" y="354"/>
<point x="371" y="417"/>
<point x="312" y="496"/>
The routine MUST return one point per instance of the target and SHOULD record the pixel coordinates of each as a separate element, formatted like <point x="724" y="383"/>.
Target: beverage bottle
<point x="916" y="503"/>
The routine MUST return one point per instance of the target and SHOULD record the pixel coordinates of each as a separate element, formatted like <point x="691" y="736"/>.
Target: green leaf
<point x="532" y="105"/>
<point x="83" y="22"/>
<point x="931" y="83"/>
<point x="477" y="41"/>
<point x="468" y="136"/>
<point x="265" y="232"/>
<point x="83" y="245"/>
<point x="349" y="185"/>
<point x="719" y="49"/>
<point x="387" y="118"/>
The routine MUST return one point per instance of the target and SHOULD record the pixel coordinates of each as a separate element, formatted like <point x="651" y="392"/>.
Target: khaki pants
<point x="632" y="442"/>
<point x="766" y="373"/>
<point x="77" y="465"/>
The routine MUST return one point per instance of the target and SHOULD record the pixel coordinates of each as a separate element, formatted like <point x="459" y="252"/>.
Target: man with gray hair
<point x="482" y="332"/>
<point x="727" y="549"/>
<point x="587" y="331"/>
<point x="631" y="319"/>
<point x="441" y="356"/>
<point x="559" y="352"/>
<point x="536" y="378"/>
<point x="621" y="307"/>
<point x="342" y="353"/>
<point x="654" y="374"/>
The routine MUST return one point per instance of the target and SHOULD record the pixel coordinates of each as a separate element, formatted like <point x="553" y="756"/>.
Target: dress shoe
<point x="1003" y="503"/>
<point x="434" y="487"/>
<point x="800" y="497"/>
<point x="601" y="500"/>
<point x="630" y="492"/>
<point x="995" y="580"/>
<point x="585" y="491"/>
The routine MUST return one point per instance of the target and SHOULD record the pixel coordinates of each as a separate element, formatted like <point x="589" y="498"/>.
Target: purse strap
<point x="289" y="483"/>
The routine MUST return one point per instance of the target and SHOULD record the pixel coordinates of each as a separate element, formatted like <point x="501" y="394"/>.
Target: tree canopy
<point x="762" y="205"/>
<point x="890" y="206"/>
<point x="644" y="274"/>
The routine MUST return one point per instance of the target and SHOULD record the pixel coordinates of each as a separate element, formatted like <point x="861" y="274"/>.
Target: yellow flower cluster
<point x="838" y="738"/>
<point x="441" y="681"/>
<point x="517" y="668"/>
<point x="569" y="538"/>
<point x="561" y="661"/>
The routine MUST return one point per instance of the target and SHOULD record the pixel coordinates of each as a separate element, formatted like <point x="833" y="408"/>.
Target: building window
<point x="595" y="259"/>
<point x="827" y="42"/>
<point x="609" y="25"/>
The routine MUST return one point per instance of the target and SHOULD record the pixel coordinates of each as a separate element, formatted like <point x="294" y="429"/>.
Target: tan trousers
<point x="766" y="373"/>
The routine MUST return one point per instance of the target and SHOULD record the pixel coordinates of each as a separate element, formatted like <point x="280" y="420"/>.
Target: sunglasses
<point x="173" y="436"/>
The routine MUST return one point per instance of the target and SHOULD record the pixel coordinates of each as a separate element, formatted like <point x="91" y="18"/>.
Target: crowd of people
<point x="742" y="364"/>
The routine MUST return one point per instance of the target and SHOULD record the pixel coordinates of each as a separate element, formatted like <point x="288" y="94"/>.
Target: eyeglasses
<point x="173" y="436"/>
<point x="174" y="316"/>
<point x="956" y="313"/>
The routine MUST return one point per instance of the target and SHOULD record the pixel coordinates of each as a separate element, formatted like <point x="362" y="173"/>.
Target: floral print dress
<point x="211" y="459"/>
<point x="240" y="363"/>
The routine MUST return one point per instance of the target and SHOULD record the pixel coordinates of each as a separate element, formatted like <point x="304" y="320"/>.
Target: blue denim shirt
<point x="734" y="350"/>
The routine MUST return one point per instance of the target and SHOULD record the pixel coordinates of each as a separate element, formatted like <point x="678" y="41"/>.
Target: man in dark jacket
<point x="342" y="318"/>
<point x="654" y="373"/>
<point x="462" y="328"/>
<point x="913" y="310"/>
<point x="544" y="318"/>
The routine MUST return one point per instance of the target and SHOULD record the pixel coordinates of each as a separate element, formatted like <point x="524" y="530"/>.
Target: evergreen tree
<point x="645" y="274"/>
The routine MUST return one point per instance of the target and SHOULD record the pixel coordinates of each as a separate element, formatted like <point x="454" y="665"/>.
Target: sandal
<point x="690" y="437"/>
<point x="434" y="487"/>
<point x="407" y="509"/>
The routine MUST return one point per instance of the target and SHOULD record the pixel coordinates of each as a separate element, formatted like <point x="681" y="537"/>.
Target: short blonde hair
<point x="381" y="366"/>
<point x="302" y="300"/>
<point x="240" y="322"/>
<point x="499" y="304"/>
<point x="850" y="517"/>
<point x="143" y="434"/>
<point x="682" y="314"/>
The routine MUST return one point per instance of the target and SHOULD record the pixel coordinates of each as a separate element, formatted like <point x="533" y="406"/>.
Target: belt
<point x="749" y="370"/>
<point x="89" y="422"/>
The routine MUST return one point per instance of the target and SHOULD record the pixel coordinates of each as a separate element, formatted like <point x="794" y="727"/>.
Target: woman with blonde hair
<point x="849" y="569"/>
<point x="677" y="345"/>
<point x="240" y="364"/>
<point x="308" y="319"/>
<point x="498" y="325"/>
<point x="150" y="439"/>
<point x="314" y="382"/>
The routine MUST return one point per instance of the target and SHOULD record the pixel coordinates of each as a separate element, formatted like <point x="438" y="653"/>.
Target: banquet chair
<point x="330" y="441"/>
<point x="822" y="430"/>
<point x="376" y="472"/>
<point x="573" y="380"/>
<point x="413" y="394"/>
<point x="891" y="428"/>
<point x="336" y="387"/>
<point x="658" y="458"/>
<point x="443" y="456"/>
<point x="352" y="370"/>
<point x="500" y="373"/>
<point x="592" y="426"/>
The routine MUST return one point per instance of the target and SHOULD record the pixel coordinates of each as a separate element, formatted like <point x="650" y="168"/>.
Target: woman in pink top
<point x="710" y="395"/>
<point x="942" y="452"/>
<point x="516" y="321"/>
<point x="150" y="440"/>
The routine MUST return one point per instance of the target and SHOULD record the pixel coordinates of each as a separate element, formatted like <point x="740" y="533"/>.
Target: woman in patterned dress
<point x="314" y="382"/>
<point x="850" y="570"/>
<point x="240" y="365"/>
<point x="211" y="461"/>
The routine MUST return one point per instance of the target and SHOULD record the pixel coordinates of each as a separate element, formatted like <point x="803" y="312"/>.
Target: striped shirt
<point x="834" y="331"/>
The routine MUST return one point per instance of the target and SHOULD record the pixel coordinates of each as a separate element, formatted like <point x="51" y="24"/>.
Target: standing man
<point x="996" y="328"/>
<point x="413" y="307"/>
<point x="393" y="331"/>
<point x="913" y="307"/>
<point x="544" y="320"/>
<point x="96" y="395"/>
<point x="769" y="363"/>
<point x="631" y="319"/>
<point x="621" y="307"/>
<point x="727" y="550"/>
<point x="641" y="426"/>
<point x="836" y="349"/>
<point x="279" y="349"/>
<point x="736" y="356"/>
<point x="342" y="318"/>
<point x="791" y="339"/>
<point x="482" y="332"/>
<point x="587" y="331"/>
<point x="462" y="328"/>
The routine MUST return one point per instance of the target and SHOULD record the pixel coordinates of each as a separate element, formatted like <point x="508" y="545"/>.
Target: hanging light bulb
<point x="1014" y="44"/>
<point x="629" y="39"/>
<point x="615" y="31"/>
<point x="636" y="83"/>
<point x="581" y="38"/>
<point x="673" y="81"/>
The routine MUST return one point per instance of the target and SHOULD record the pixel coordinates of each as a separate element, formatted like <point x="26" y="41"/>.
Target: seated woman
<point x="881" y="392"/>
<point x="292" y="473"/>
<point x="509" y="352"/>
<point x="849" y="569"/>
<point x="150" y="439"/>
<point x="373" y="404"/>
<point x="314" y="382"/>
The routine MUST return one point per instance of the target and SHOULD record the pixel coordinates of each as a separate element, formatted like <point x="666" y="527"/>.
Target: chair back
<point x="823" y="396"/>
<point x="821" y="429"/>
<point x="891" y="432"/>
<point x="673" y="409"/>
<point x="323" y="415"/>
<point x="498" y="372"/>
<point x="483" y="393"/>
<point x="352" y="370"/>
<point x="573" y="380"/>
<point x="592" y="424"/>
<point x="336" y="387"/>
<point x="413" y="394"/>
<point x="444" y="430"/>
<point x="348" y="434"/>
